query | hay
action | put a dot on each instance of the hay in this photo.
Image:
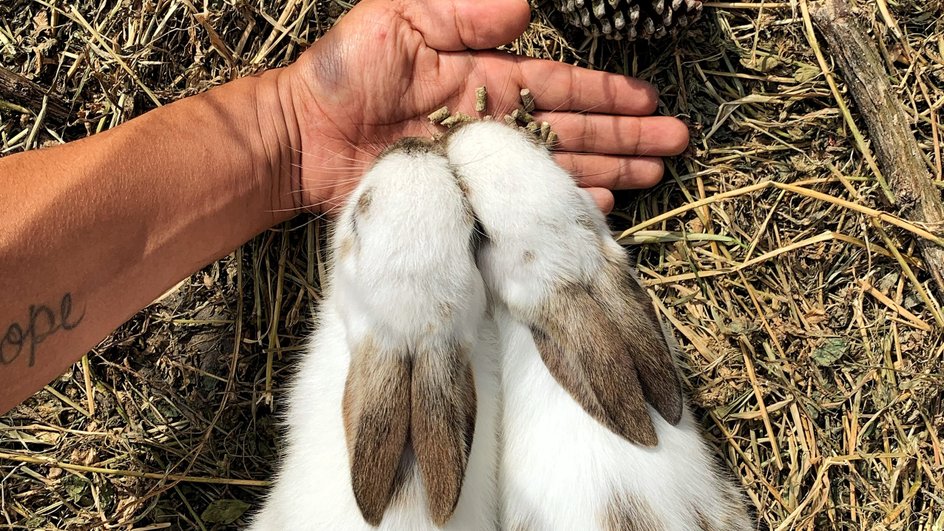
(812, 336)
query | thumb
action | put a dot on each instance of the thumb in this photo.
(454, 25)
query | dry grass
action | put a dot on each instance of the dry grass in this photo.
(812, 336)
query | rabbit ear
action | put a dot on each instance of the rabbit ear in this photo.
(647, 340)
(376, 410)
(584, 351)
(442, 424)
(604, 345)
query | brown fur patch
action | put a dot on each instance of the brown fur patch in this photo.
(376, 415)
(639, 325)
(442, 424)
(625, 513)
(584, 351)
(363, 202)
(463, 186)
(345, 248)
(445, 310)
(585, 221)
(412, 145)
(603, 342)
(528, 257)
(703, 523)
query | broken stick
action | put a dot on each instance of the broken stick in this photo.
(21, 91)
(896, 149)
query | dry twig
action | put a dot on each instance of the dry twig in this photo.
(898, 152)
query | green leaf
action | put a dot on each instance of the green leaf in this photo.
(76, 486)
(830, 351)
(224, 511)
(807, 73)
(761, 62)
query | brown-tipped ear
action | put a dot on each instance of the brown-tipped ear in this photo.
(442, 424)
(584, 351)
(647, 341)
(376, 409)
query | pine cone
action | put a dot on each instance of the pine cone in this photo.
(630, 19)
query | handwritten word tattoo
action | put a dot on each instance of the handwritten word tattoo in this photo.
(41, 322)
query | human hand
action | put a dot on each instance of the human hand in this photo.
(375, 76)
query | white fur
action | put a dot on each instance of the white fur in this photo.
(559, 468)
(526, 204)
(411, 255)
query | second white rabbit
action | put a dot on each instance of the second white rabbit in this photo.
(594, 432)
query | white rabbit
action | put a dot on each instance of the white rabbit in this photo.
(392, 416)
(594, 430)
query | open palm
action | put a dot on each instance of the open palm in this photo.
(376, 75)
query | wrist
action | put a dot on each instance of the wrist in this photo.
(274, 143)
(327, 162)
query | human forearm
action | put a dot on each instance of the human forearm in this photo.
(92, 231)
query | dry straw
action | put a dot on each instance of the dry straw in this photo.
(811, 332)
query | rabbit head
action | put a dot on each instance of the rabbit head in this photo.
(549, 257)
(411, 299)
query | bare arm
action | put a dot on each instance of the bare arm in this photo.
(92, 231)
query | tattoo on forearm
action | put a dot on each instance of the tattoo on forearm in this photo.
(42, 322)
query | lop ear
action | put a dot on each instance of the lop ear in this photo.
(376, 411)
(605, 346)
(584, 351)
(648, 340)
(442, 424)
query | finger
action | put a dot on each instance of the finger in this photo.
(658, 136)
(454, 25)
(603, 198)
(614, 173)
(558, 86)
